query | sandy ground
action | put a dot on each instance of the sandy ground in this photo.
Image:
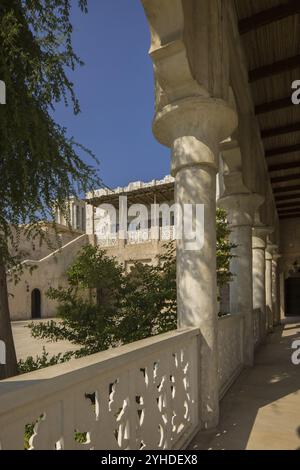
(26, 345)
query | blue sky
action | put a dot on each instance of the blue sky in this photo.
(115, 90)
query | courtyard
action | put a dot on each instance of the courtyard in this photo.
(27, 346)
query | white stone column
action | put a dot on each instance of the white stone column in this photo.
(196, 271)
(240, 211)
(259, 278)
(282, 296)
(269, 300)
(259, 274)
(192, 117)
(154, 231)
(74, 216)
(275, 289)
(194, 166)
(122, 232)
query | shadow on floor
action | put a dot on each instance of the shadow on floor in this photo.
(262, 408)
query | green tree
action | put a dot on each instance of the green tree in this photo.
(132, 305)
(87, 320)
(149, 304)
(40, 166)
(223, 249)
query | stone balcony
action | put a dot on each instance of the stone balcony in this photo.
(134, 237)
(149, 395)
(145, 395)
(160, 392)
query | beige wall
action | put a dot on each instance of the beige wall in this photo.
(37, 249)
(49, 272)
(290, 243)
(129, 253)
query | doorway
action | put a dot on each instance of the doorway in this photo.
(36, 303)
(292, 297)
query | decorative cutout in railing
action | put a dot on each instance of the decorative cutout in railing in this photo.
(138, 236)
(167, 232)
(107, 241)
(138, 396)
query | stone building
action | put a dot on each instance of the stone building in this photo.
(27, 298)
(142, 243)
(146, 240)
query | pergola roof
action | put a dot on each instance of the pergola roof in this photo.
(140, 195)
(270, 32)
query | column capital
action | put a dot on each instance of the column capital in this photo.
(241, 207)
(259, 235)
(258, 242)
(193, 128)
(269, 256)
(272, 248)
(276, 257)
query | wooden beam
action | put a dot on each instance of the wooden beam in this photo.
(287, 197)
(275, 68)
(288, 204)
(269, 16)
(282, 150)
(289, 216)
(282, 179)
(288, 209)
(294, 210)
(284, 166)
(294, 127)
(286, 189)
(273, 105)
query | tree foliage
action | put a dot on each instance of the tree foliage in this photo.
(223, 249)
(40, 165)
(106, 306)
(30, 363)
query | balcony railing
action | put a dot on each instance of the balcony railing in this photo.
(140, 396)
(167, 233)
(258, 320)
(144, 395)
(230, 350)
(107, 241)
(138, 236)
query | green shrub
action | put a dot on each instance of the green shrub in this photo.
(105, 306)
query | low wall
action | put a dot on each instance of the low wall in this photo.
(230, 348)
(257, 326)
(49, 272)
(140, 396)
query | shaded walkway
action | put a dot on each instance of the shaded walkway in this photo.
(262, 409)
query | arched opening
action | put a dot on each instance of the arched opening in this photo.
(292, 296)
(36, 303)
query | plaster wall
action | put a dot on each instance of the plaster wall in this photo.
(290, 244)
(49, 272)
(37, 249)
